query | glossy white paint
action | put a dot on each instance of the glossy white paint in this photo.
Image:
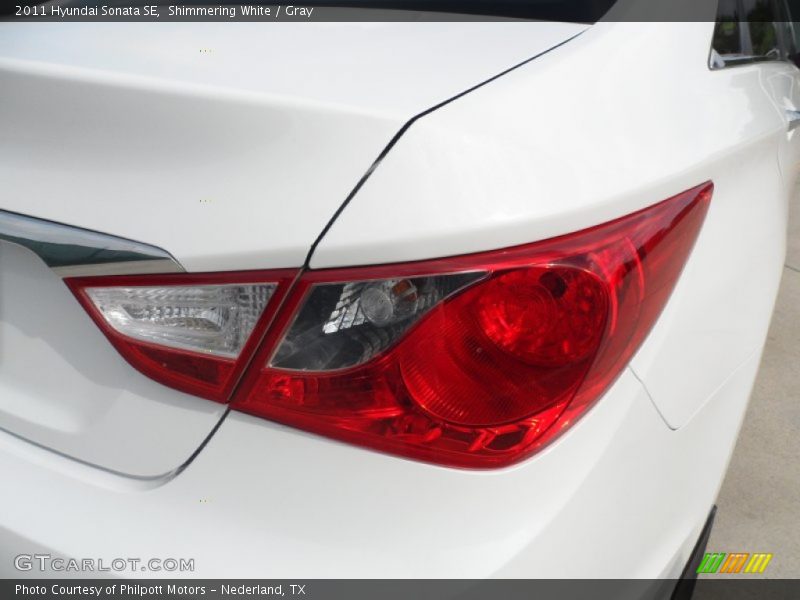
(619, 118)
(720, 310)
(232, 159)
(596, 145)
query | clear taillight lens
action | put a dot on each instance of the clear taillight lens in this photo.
(192, 332)
(471, 361)
(214, 319)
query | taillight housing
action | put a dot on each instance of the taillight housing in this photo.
(472, 361)
(192, 332)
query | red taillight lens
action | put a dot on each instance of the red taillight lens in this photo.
(512, 346)
(471, 361)
(489, 356)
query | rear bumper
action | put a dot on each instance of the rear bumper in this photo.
(620, 495)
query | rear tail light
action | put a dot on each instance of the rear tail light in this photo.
(191, 332)
(471, 361)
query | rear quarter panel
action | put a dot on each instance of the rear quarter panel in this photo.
(626, 115)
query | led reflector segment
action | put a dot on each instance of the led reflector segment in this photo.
(212, 319)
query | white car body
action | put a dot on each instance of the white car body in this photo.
(232, 161)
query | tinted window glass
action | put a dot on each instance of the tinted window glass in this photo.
(727, 45)
(753, 30)
(763, 33)
(727, 36)
(787, 14)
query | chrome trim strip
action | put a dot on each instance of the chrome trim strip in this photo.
(131, 267)
(71, 251)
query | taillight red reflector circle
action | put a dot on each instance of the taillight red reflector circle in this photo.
(506, 348)
(548, 316)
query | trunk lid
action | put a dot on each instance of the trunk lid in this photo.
(228, 145)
